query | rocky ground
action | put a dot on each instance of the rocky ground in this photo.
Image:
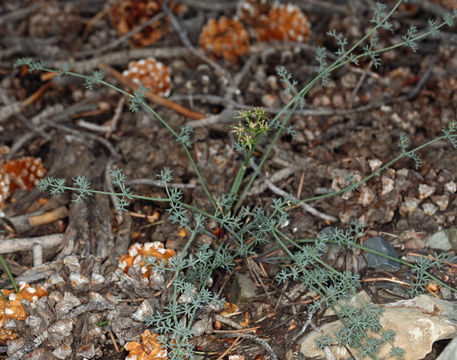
(348, 128)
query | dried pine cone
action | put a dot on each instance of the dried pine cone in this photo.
(254, 12)
(70, 335)
(150, 349)
(21, 173)
(225, 37)
(152, 74)
(13, 308)
(130, 13)
(284, 22)
(137, 252)
(24, 173)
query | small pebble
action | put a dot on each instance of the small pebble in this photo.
(379, 262)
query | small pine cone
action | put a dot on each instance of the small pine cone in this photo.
(152, 74)
(149, 349)
(30, 293)
(254, 12)
(24, 173)
(286, 23)
(137, 252)
(13, 308)
(225, 37)
(130, 13)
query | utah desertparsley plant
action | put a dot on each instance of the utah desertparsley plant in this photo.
(246, 226)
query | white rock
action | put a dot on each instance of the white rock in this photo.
(426, 190)
(417, 323)
(374, 164)
(442, 201)
(367, 196)
(387, 185)
(429, 209)
(451, 187)
(63, 351)
(409, 205)
(144, 310)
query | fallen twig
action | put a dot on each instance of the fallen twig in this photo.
(26, 244)
(256, 339)
(151, 96)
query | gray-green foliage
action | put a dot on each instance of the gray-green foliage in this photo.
(248, 227)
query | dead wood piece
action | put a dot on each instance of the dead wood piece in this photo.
(26, 244)
(213, 6)
(152, 182)
(91, 306)
(123, 57)
(27, 137)
(10, 109)
(19, 14)
(225, 116)
(16, 270)
(283, 193)
(37, 94)
(10, 51)
(256, 339)
(109, 186)
(26, 222)
(90, 220)
(122, 239)
(48, 217)
(37, 273)
(228, 322)
(24, 350)
(229, 349)
(38, 47)
(101, 140)
(111, 124)
(151, 96)
(37, 252)
(47, 113)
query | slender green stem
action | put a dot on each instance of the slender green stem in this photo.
(341, 61)
(412, 266)
(141, 197)
(157, 116)
(364, 248)
(378, 171)
(7, 269)
(188, 243)
(239, 177)
(315, 258)
(100, 192)
(295, 101)
(322, 290)
(266, 155)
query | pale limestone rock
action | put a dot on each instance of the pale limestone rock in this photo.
(417, 323)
